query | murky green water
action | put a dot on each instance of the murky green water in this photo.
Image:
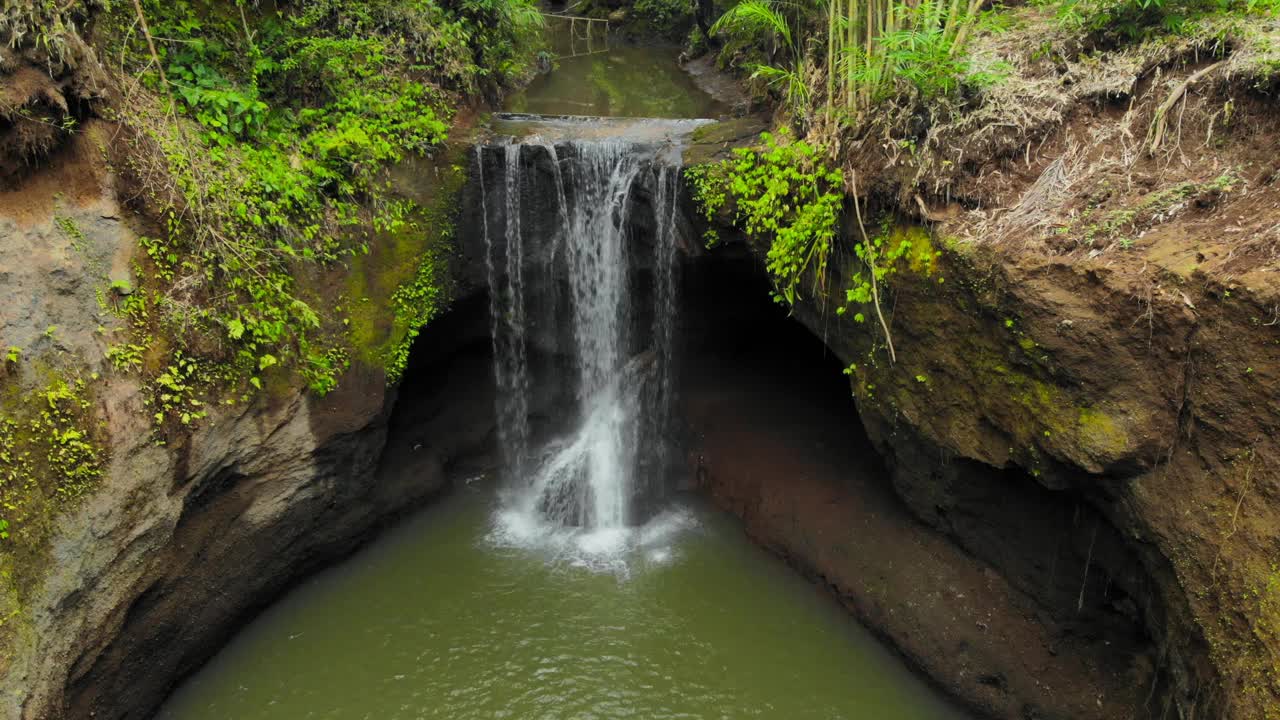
(621, 82)
(435, 621)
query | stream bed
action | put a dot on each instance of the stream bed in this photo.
(623, 81)
(437, 619)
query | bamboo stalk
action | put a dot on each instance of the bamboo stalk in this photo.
(890, 20)
(851, 101)
(937, 15)
(953, 16)
(966, 24)
(870, 28)
(831, 50)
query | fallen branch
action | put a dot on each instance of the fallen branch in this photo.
(151, 45)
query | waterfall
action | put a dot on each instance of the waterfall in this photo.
(620, 372)
(664, 310)
(506, 319)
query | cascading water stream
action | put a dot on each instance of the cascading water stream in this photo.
(664, 270)
(507, 324)
(591, 479)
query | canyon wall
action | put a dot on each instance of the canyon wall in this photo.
(1082, 520)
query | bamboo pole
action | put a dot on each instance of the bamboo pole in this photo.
(151, 45)
(870, 29)
(831, 50)
(849, 44)
(966, 24)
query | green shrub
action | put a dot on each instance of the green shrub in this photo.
(870, 51)
(664, 18)
(752, 26)
(1128, 20)
(785, 194)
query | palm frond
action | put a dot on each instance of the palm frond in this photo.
(751, 17)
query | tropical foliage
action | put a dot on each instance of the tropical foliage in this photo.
(868, 49)
(864, 52)
(261, 137)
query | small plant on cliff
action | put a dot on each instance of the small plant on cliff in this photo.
(71, 452)
(70, 230)
(784, 194)
(175, 395)
(707, 186)
(415, 304)
(47, 441)
(881, 256)
(51, 455)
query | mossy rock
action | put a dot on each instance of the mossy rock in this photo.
(716, 141)
(405, 279)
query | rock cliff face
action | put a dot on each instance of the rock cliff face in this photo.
(179, 544)
(777, 439)
(1098, 430)
(1042, 403)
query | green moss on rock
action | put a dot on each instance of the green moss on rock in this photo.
(51, 456)
(1101, 434)
(405, 281)
(921, 256)
(713, 141)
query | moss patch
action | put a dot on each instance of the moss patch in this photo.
(1046, 415)
(920, 255)
(405, 281)
(713, 141)
(51, 456)
(1100, 433)
(1040, 418)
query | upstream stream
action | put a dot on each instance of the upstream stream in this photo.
(574, 580)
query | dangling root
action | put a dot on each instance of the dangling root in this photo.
(871, 261)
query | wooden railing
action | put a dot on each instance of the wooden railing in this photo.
(588, 27)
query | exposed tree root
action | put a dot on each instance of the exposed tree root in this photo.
(1160, 120)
